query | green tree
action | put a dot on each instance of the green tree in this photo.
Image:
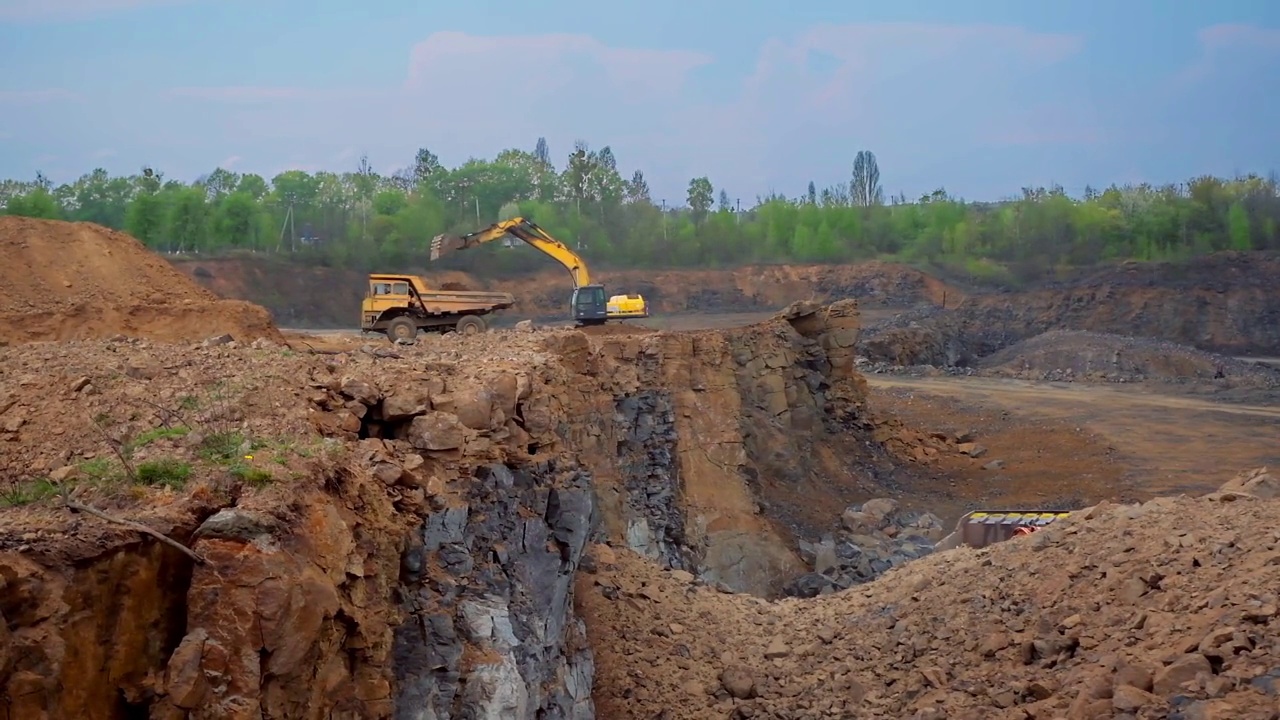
(700, 196)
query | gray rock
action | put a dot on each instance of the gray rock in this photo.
(514, 548)
(237, 524)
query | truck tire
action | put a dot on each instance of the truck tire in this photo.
(470, 325)
(402, 329)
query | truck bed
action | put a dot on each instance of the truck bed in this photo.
(456, 301)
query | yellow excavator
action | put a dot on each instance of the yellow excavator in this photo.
(588, 302)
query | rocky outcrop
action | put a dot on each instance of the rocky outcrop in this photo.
(737, 426)
(1221, 303)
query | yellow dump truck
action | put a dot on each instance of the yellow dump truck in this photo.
(399, 306)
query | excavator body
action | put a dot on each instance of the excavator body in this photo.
(589, 303)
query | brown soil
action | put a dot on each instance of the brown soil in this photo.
(1122, 611)
(64, 281)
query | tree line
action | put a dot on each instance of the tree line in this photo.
(365, 219)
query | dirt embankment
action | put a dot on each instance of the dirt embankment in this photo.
(62, 281)
(1224, 303)
(379, 524)
(329, 297)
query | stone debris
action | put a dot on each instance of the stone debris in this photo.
(871, 539)
(1167, 609)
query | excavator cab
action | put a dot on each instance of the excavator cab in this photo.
(589, 304)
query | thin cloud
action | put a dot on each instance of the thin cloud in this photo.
(71, 10)
(1223, 39)
(36, 97)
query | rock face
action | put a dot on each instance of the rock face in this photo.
(736, 423)
(491, 631)
(1221, 303)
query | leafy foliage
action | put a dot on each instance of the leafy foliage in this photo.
(363, 219)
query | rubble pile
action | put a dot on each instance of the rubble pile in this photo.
(1164, 609)
(872, 538)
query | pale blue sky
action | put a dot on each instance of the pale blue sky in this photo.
(979, 96)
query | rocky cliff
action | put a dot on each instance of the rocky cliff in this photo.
(1223, 303)
(394, 533)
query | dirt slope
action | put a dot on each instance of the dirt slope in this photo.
(64, 280)
(329, 297)
(1161, 610)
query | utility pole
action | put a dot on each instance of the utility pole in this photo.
(664, 219)
(477, 210)
(739, 214)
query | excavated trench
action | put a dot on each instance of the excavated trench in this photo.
(431, 574)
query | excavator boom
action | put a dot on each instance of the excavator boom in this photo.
(522, 229)
(590, 307)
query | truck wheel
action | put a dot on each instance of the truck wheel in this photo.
(470, 325)
(402, 329)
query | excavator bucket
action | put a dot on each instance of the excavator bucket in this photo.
(444, 244)
(983, 528)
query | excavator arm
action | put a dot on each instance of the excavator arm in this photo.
(522, 229)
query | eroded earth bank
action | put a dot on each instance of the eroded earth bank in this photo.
(552, 524)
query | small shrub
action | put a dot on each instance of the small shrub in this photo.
(256, 477)
(165, 472)
(151, 436)
(25, 492)
(99, 470)
(222, 446)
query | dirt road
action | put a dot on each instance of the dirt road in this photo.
(1149, 442)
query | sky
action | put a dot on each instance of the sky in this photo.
(980, 97)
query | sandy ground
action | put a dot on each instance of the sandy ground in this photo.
(1161, 444)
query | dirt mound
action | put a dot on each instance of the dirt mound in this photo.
(1077, 353)
(64, 281)
(1163, 609)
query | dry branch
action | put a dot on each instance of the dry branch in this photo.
(138, 527)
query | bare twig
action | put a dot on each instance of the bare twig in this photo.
(168, 413)
(138, 527)
(118, 450)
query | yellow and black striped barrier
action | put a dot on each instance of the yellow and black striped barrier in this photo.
(982, 528)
